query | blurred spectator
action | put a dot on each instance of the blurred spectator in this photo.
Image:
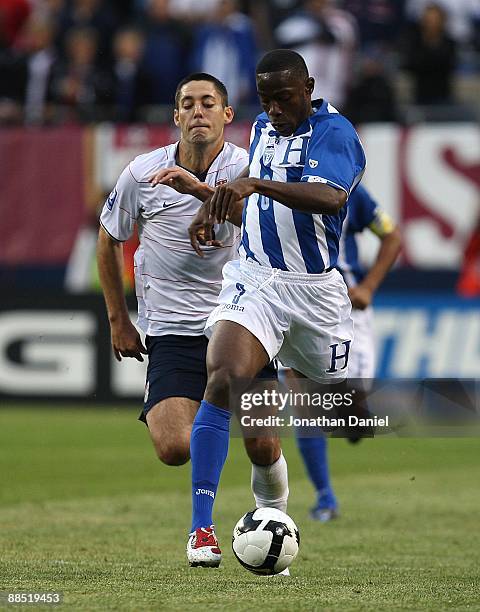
(429, 55)
(326, 37)
(168, 44)
(372, 97)
(379, 21)
(189, 11)
(13, 15)
(132, 87)
(78, 84)
(277, 10)
(266, 15)
(12, 79)
(96, 15)
(48, 10)
(193, 10)
(37, 41)
(463, 16)
(225, 47)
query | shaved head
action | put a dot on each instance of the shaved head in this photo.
(279, 60)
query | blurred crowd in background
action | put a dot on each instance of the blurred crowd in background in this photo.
(92, 60)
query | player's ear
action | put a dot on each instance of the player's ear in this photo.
(175, 117)
(228, 114)
(310, 85)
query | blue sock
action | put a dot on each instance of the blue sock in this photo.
(314, 453)
(208, 451)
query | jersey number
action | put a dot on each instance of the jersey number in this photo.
(241, 291)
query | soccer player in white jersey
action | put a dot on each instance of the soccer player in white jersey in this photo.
(363, 213)
(284, 297)
(176, 291)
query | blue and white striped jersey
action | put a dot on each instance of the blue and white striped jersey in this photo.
(324, 149)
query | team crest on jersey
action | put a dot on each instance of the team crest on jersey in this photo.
(269, 152)
(313, 163)
(111, 199)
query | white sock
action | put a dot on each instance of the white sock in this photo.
(270, 484)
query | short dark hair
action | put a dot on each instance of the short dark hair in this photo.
(202, 76)
(282, 59)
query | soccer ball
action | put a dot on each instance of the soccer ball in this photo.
(265, 541)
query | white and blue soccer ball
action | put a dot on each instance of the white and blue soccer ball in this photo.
(265, 541)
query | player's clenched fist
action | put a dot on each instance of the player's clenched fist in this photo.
(126, 341)
(360, 296)
(223, 203)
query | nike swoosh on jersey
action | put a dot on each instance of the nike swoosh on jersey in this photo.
(167, 204)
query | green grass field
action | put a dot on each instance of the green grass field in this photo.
(87, 509)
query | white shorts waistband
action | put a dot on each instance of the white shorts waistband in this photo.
(265, 273)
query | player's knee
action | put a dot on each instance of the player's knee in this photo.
(221, 380)
(173, 454)
(263, 451)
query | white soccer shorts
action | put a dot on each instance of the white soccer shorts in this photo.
(302, 319)
(362, 354)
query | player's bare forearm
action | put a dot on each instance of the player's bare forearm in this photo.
(126, 341)
(182, 181)
(312, 198)
(387, 254)
(203, 192)
(110, 270)
(235, 212)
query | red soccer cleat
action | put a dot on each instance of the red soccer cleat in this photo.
(203, 549)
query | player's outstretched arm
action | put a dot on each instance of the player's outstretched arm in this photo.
(312, 198)
(126, 341)
(182, 181)
(362, 294)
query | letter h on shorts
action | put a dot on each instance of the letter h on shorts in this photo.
(334, 358)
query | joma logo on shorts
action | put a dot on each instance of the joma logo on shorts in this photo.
(205, 492)
(233, 307)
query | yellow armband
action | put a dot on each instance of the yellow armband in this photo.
(382, 224)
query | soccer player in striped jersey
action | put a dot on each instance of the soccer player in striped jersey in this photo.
(363, 213)
(161, 192)
(284, 298)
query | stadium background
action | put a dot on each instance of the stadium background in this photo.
(62, 146)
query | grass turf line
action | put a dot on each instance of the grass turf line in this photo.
(86, 509)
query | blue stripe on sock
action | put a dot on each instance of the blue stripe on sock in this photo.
(208, 451)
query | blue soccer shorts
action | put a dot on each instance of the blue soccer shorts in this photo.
(177, 368)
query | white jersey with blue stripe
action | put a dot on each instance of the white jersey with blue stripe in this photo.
(325, 149)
